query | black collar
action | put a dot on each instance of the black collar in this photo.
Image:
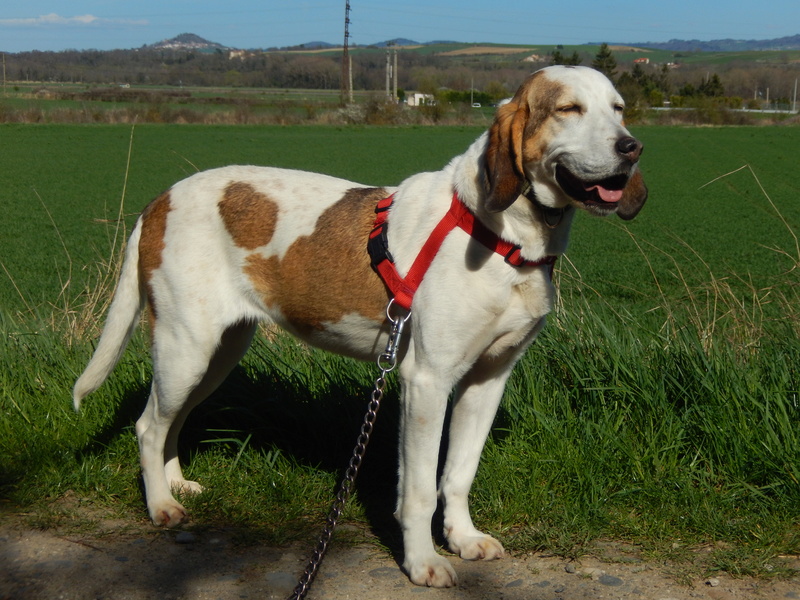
(552, 216)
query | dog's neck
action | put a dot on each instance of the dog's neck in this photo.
(541, 230)
(552, 217)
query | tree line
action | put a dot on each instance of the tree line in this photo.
(645, 85)
(494, 79)
(162, 67)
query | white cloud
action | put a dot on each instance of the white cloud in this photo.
(79, 21)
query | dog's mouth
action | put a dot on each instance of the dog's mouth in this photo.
(603, 193)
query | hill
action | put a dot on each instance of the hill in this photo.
(190, 41)
(726, 45)
(186, 41)
(397, 42)
(675, 45)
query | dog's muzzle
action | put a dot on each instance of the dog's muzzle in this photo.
(605, 192)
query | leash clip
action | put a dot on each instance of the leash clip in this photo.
(387, 360)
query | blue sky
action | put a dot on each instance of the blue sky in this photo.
(109, 24)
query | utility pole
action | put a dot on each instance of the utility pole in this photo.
(794, 100)
(350, 78)
(391, 73)
(347, 65)
(394, 77)
(388, 73)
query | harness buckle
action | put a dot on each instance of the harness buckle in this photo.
(514, 257)
(378, 246)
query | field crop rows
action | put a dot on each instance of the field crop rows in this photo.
(661, 402)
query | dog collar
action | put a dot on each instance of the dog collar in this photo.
(552, 217)
(404, 288)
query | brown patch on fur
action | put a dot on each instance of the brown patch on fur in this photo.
(151, 244)
(326, 275)
(633, 197)
(518, 136)
(543, 98)
(503, 154)
(249, 216)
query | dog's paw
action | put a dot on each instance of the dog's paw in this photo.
(476, 547)
(185, 487)
(434, 571)
(169, 514)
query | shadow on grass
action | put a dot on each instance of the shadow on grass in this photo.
(311, 417)
(316, 429)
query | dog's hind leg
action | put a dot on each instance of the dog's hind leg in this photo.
(186, 369)
(235, 342)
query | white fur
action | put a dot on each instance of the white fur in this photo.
(472, 318)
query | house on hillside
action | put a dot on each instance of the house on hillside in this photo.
(419, 99)
(641, 61)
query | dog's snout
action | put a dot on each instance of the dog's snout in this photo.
(630, 148)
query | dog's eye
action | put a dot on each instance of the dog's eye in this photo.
(570, 108)
(619, 108)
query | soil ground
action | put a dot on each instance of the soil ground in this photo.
(133, 561)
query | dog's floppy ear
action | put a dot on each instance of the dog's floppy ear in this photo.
(505, 174)
(633, 197)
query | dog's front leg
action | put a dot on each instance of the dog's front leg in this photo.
(424, 402)
(475, 405)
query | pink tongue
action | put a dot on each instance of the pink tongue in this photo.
(605, 194)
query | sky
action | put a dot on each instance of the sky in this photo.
(112, 24)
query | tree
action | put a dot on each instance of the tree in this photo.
(605, 62)
(497, 91)
(557, 58)
(631, 89)
(712, 87)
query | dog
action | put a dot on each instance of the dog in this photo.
(231, 247)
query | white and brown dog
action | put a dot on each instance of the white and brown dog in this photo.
(227, 248)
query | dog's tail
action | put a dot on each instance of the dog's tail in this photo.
(123, 316)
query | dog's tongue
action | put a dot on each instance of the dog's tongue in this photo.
(605, 194)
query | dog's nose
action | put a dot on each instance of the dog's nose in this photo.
(630, 148)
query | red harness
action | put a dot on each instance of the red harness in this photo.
(403, 289)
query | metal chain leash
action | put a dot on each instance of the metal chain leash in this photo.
(387, 361)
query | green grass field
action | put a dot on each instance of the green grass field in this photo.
(660, 406)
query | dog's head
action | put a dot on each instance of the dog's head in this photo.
(563, 133)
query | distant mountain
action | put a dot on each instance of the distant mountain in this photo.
(396, 42)
(190, 41)
(727, 45)
(326, 45)
(311, 46)
(186, 41)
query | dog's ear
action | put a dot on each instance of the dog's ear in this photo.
(505, 174)
(633, 197)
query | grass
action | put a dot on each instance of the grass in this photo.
(658, 439)
(86, 176)
(659, 407)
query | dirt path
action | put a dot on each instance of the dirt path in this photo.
(137, 563)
